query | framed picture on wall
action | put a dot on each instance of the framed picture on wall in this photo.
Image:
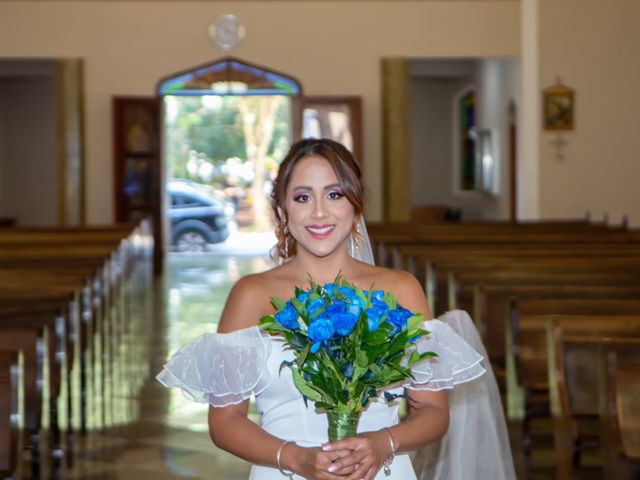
(558, 104)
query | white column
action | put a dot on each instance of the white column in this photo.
(529, 117)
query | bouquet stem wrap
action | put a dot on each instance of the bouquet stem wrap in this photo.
(342, 424)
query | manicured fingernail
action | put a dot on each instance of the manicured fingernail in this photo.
(326, 447)
(332, 468)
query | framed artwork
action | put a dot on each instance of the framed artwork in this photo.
(558, 104)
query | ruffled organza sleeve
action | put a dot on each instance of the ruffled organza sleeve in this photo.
(220, 368)
(457, 362)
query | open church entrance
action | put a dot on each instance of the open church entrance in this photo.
(226, 128)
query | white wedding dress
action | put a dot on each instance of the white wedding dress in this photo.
(223, 369)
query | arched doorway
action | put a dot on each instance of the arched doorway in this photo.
(226, 125)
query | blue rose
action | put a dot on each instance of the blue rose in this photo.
(374, 317)
(379, 304)
(320, 329)
(330, 288)
(377, 295)
(343, 323)
(398, 318)
(347, 292)
(336, 307)
(315, 307)
(288, 317)
(354, 306)
(395, 319)
(303, 297)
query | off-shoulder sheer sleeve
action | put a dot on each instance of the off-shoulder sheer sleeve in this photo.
(220, 368)
(457, 362)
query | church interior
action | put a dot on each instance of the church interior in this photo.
(496, 140)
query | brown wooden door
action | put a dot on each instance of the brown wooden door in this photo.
(137, 165)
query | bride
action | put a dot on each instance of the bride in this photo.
(318, 201)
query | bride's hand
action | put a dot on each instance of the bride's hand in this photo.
(314, 463)
(369, 451)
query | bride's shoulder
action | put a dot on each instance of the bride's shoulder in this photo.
(391, 279)
(248, 301)
(404, 286)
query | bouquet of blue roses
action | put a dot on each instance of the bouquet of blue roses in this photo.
(349, 344)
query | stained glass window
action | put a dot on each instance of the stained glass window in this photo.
(467, 109)
(230, 77)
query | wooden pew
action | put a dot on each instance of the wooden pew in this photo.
(32, 344)
(60, 348)
(577, 382)
(527, 348)
(528, 394)
(496, 306)
(388, 236)
(11, 381)
(453, 273)
(29, 290)
(622, 412)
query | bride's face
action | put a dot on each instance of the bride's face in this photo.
(319, 215)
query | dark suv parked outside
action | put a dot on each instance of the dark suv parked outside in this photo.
(196, 217)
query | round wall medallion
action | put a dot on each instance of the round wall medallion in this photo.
(226, 32)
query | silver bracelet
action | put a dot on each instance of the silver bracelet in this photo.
(389, 460)
(289, 475)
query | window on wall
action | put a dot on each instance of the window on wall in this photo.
(466, 139)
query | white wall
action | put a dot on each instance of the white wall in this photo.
(333, 48)
(593, 46)
(27, 150)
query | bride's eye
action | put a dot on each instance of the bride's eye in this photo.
(302, 198)
(335, 195)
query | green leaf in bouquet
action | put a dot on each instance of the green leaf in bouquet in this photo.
(424, 355)
(305, 389)
(358, 372)
(285, 363)
(414, 322)
(297, 304)
(302, 356)
(373, 351)
(297, 339)
(368, 394)
(278, 303)
(323, 406)
(377, 337)
(365, 299)
(312, 365)
(269, 325)
(362, 360)
(390, 300)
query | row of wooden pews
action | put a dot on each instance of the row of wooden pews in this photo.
(527, 285)
(73, 301)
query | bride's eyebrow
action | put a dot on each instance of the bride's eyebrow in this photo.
(306, 188)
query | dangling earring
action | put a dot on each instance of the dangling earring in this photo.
(355, 239)
(285, 229)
